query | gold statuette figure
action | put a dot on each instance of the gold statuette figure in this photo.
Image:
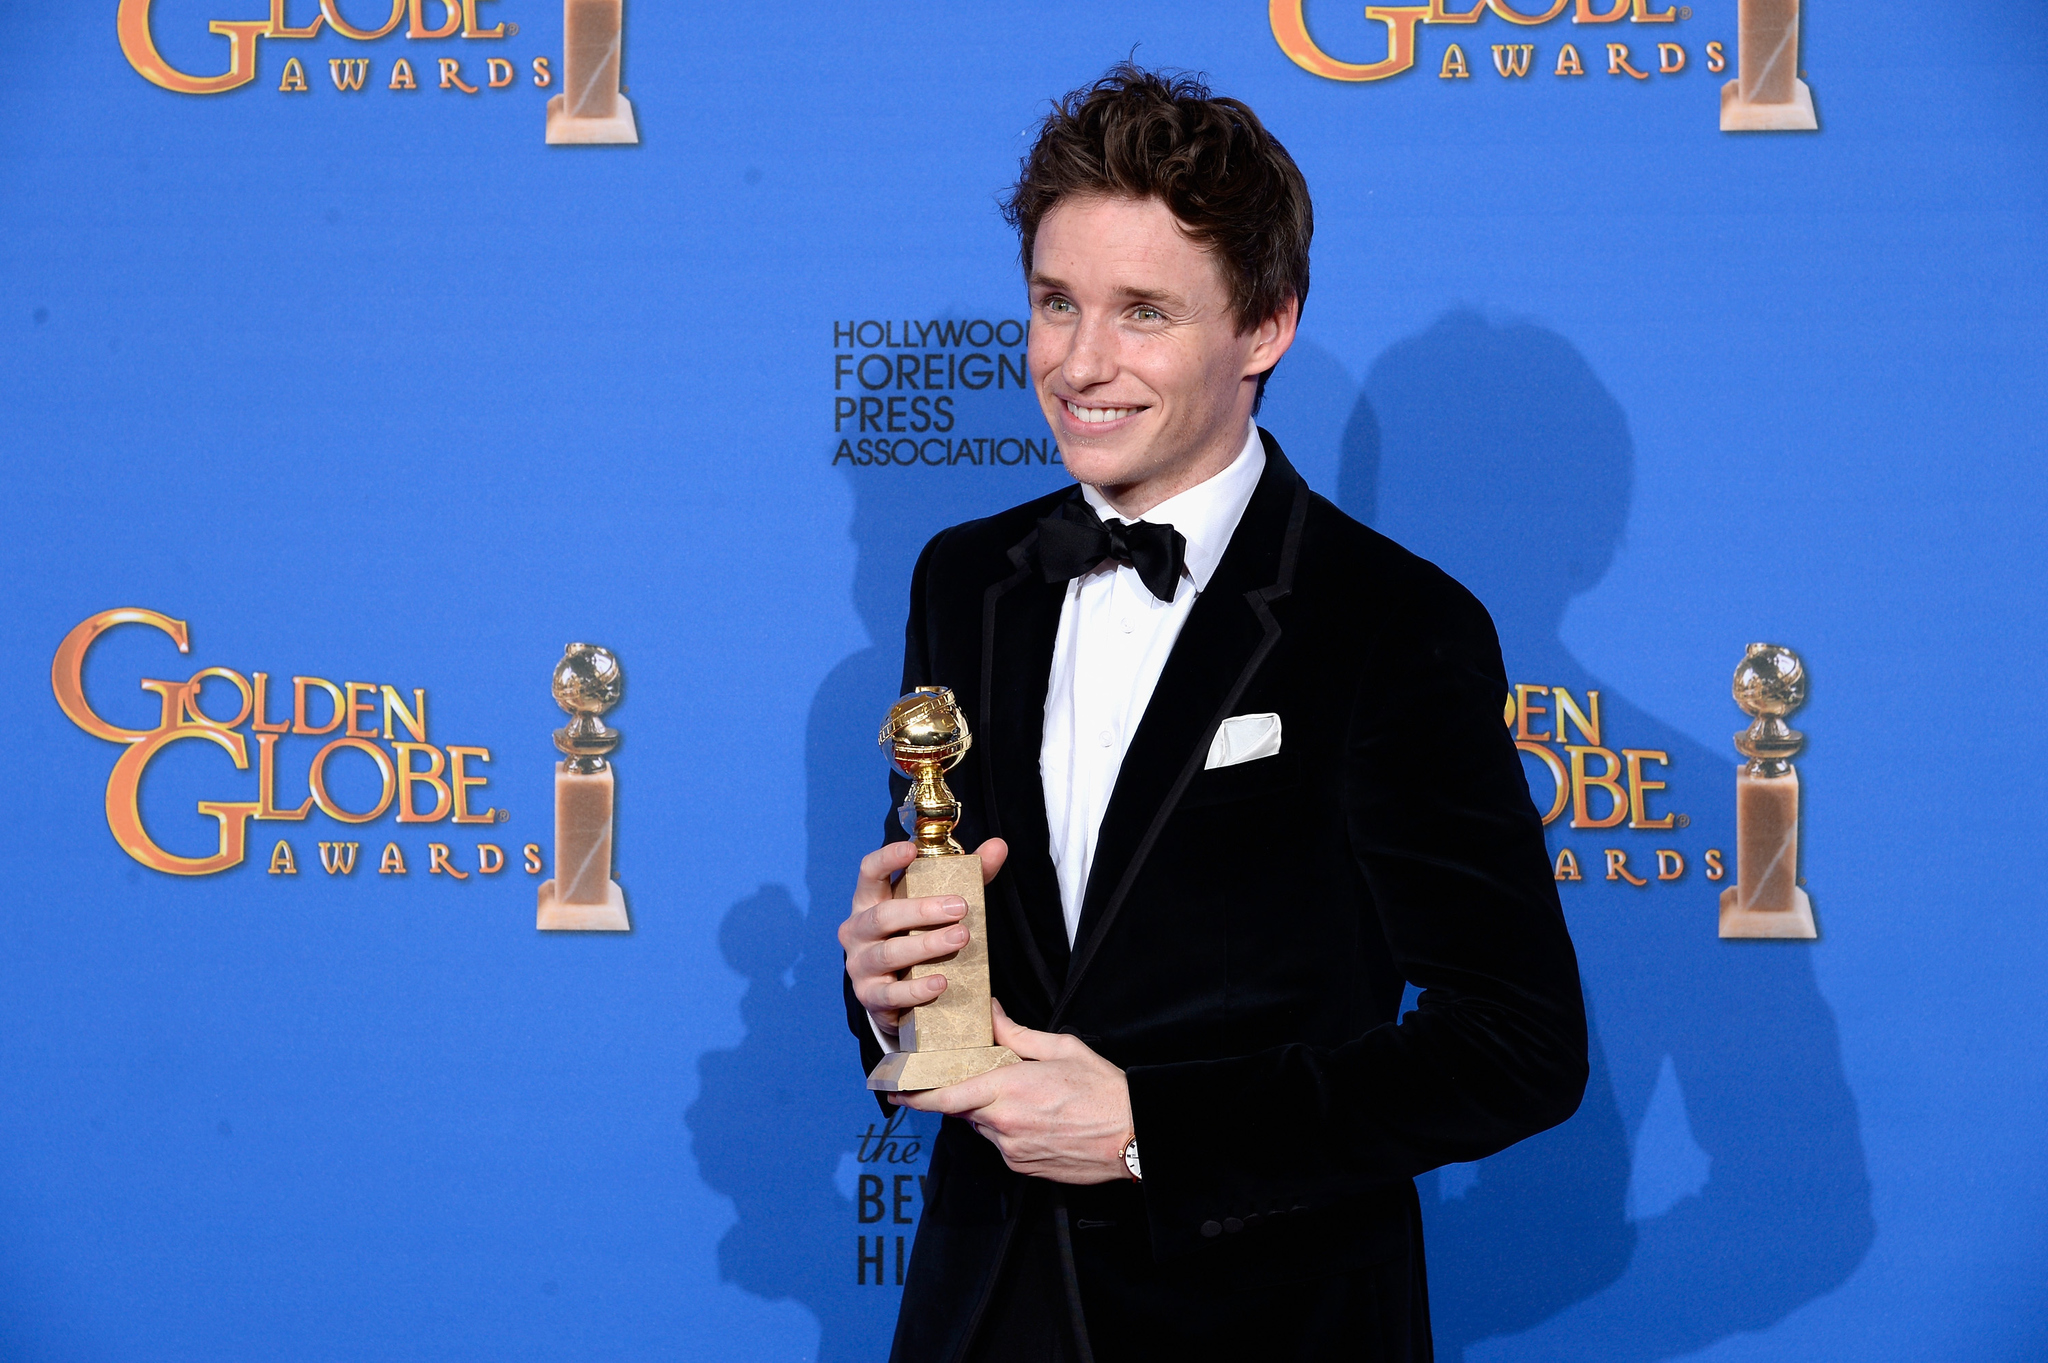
(583, 897)
(1766, 900)
(952, 1037)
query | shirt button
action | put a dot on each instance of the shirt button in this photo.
(1126, 623)
(1211, 1229)
(1232, 1224)
(1108, 739)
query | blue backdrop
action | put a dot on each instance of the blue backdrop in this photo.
(376, 386)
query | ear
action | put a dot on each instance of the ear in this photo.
(1272, 338)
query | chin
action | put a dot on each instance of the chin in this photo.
(1099, 468)
(1112, 462)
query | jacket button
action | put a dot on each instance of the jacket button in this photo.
(1232, 1224)
(1211, 1229)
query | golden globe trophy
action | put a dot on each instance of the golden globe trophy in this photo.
(952, 1037)
(583, 897)
(1766, 901)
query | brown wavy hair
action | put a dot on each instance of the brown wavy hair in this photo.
(1156, 135)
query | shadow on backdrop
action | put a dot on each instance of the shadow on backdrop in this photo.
(779, 1121)
(1741, 1194)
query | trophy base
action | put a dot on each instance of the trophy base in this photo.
(608, 916)
(564, 129)
(914, 1071)
(1795, 922)
(1738, 117)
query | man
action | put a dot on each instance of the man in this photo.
(1239, 774)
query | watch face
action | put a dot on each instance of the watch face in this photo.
(1131, 1158)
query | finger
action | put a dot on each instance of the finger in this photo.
(876, 868)
(976, 1119)
(885, 993)
(894, 954)
(993, 853)
(967, 1096)
(1024, 1041)
(892, 916)
(929, 1100)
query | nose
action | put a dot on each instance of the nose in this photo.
(1091, 356)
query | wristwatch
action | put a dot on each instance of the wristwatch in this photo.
(1131, 1158)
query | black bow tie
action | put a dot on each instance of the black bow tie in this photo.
(1074, 539)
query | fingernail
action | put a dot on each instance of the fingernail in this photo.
(953, 904)
(955, 936)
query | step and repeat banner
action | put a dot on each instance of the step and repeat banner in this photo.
(400, 395)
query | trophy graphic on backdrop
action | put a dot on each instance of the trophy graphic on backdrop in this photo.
(952, 1037)
(590, 107)
(1767, 94)
(583, 897)
(1766, 901)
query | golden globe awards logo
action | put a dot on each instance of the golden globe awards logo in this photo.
(1599, 786)
(1765, 96)
(456, 19)
(1511, 60)
(420, 781)
(591, 110)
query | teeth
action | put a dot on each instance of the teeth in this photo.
(1095, 414)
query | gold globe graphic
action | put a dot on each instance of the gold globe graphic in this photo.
(1769, 684)
(926, 728)
(587, 681)
(1770, 680)
(926, 735)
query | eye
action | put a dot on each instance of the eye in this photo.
(1144, 312)
(1055, 303)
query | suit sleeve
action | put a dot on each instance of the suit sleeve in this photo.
(1439, 822)
(916, 669)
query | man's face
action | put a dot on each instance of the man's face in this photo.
(1137, 360)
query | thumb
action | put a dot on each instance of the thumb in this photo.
(993, 853)
(1025, 1042)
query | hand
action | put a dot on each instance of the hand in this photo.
(1064, 1114)
(876, 952)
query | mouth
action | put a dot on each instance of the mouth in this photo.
(1098, 416)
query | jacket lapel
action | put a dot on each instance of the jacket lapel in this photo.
(1020, 620)
(1229, 632)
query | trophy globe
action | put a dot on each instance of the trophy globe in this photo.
(926, 736)
(587, 682)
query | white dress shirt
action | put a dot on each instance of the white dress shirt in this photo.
(1114, 638)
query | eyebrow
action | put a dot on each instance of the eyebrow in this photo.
(1162, 296)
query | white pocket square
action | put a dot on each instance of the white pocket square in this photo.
(1244, 738)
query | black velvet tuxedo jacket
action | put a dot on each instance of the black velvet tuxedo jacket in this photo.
(1244, 941)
